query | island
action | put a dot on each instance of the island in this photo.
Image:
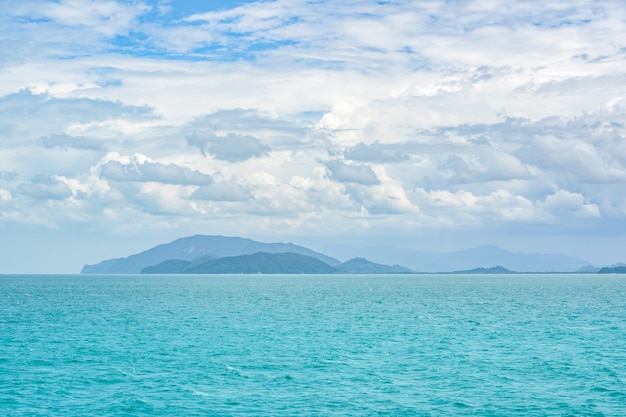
(269, 263)
(619, 269)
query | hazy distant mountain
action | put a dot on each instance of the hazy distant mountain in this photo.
(190, 248)
(363, 266)
(613, 269)
(480, 257)
(588, 269)
(185, 253)
(492, 270)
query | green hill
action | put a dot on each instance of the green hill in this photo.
(493, 270)
(262, 263)
(619, 269)
(270, 263)
(171, 266)
(363, 266)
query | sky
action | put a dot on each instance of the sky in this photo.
(433, 125)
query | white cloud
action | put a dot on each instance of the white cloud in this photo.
(313, 117)
(139, 168)
(232, 147)
(18, 112)
(377, 152)
(484, 164)
(471, 208)
(7, 175)
(45, 188)
(502, 205)
(222, 192)
(351, 173)
(162, 199)
(64, 141)
(576, 158)
(5, 195)
(108, 17)
(564, 202)
(384, 199)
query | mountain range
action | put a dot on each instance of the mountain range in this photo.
(220, 254)
(195, 247)
(234, 255)
(485, 256)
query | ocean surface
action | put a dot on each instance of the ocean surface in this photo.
(313, 345)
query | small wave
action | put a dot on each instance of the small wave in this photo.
(127, 371)
(200, 393)
(235, 371)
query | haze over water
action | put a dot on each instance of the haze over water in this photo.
(313, 345)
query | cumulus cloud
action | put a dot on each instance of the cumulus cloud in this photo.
(139, 168)
(378, 152)
(351, 173)
(484, 164)
(64, 141)
(46, 188)
(232, 147)
(55, 114)
(505, 206)
(222, 192)
(314, 116)
(7, 175)
(381, 199)
(251, 122)
(475, 208)
(162, 199)
(577, 159)
(564, 202)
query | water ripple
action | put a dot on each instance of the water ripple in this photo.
(296, 345)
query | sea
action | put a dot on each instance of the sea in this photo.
(313, 345)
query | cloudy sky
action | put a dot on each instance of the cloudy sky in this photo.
(428, 124)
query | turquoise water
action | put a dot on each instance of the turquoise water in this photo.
(402, 345)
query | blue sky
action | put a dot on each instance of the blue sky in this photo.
(432, 124)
